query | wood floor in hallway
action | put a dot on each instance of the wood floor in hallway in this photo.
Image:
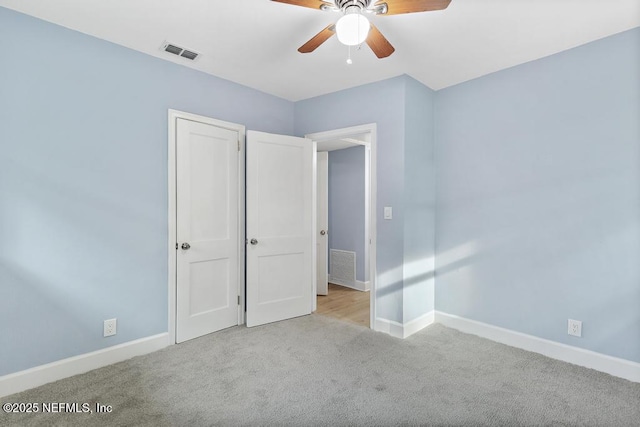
(345, 304)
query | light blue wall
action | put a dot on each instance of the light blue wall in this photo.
(83, 185)
(382, 103)
(419, 203)
(538, 197)
(346, 204)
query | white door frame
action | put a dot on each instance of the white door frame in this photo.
(370, 200)
(173, 115)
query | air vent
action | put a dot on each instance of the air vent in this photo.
(342, 267)
(173, 49)
(189, 55)
(180, 51)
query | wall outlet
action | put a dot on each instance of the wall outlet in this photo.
(110, 327)
(575, 328)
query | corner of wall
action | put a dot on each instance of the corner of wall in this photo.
(419, 198)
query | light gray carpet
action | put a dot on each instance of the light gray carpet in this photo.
(318, 371)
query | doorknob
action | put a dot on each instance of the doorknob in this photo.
(322, 232)
(186, 246)
(254, 242)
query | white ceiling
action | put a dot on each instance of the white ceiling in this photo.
(254, 42)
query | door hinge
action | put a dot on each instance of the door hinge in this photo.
(238, 145)
(176, 246)
(238, 299)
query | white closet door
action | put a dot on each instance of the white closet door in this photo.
(280, 227)
(207, 229)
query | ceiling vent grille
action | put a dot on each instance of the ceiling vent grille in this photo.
(180, 51)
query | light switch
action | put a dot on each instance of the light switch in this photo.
(388, 212)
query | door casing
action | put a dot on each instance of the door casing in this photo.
(173, 115)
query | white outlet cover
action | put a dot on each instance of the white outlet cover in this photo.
(110, 327)
(575, 328)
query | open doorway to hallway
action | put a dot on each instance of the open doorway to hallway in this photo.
(344, 228)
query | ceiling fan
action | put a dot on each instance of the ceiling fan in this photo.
(353, 28)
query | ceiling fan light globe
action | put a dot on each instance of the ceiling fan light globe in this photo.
(352, 29)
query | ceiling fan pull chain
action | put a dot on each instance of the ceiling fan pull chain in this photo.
(349, 61)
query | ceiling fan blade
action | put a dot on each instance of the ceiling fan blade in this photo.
(313, 4)
(378, 43)
(318, 39)
(396, 7)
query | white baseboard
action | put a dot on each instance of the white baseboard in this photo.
(418, 324)
(389, 327)
(578, 356)
(405, 330)
(363, 286)
(40, 375)
(359, 286)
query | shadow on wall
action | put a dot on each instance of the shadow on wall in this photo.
(555, 223)
(420, 273)
(558, 246)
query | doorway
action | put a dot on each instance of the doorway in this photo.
(349, 249)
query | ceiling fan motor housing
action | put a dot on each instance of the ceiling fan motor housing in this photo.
(344, 4)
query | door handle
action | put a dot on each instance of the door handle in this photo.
(185, 246)
(254, 242)
(322, 232)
